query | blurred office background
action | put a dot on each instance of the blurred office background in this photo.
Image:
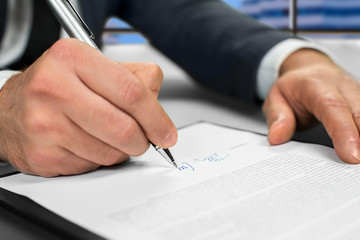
(316, 18)
(332, 23)
(318, 15)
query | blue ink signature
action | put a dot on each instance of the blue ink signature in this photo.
(185, 166)
(213, 158)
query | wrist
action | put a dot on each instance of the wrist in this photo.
(269, 68)
(304, 58)
(6, 107)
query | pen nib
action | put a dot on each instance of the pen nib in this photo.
(166, 154)
(170, 158)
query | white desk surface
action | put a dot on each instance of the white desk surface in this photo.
(186, 102)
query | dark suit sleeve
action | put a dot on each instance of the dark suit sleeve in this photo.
(217, 45)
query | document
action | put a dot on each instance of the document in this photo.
(230, 184)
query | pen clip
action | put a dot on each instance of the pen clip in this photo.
(91, 35)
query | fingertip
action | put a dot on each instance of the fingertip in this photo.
(275, 136)
(280, 131)
(354, 150)
(170, 140)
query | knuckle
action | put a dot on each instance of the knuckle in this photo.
(64, 49)
(35, 123)
(326, 104)
(126, 132)
(44, 86)
(132, 93)
(112, 157)
(40, 84)
(333, 102)
(32, 123)
(77, 166)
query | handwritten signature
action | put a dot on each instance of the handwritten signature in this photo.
(214, 157)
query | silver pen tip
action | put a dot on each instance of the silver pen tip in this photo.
(172, 160)
(166, 154)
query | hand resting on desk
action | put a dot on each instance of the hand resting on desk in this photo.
(74, 110)
(312, 88)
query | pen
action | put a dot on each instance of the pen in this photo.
(76, 27)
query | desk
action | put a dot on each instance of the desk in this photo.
(186, 103)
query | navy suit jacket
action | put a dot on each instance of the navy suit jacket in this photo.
(217, 45)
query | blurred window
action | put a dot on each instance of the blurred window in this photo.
(313, 16)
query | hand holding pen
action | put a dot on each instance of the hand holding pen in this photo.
(74, 110)
(76, 27)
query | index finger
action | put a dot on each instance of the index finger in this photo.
(122, 88)
(338, 121)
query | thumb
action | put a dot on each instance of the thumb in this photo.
(280, 118)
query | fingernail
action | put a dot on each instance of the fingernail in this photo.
(278, 119)
(170, 139)
(356, 155)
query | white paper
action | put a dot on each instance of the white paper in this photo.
(230, 185)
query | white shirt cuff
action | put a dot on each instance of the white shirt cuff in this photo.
(6, 75)
(268, 71)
